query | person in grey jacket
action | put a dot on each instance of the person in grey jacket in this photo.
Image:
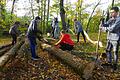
(14, 32)
(32, 35)
(112, 26)
(78, 29)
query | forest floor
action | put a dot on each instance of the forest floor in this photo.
(50, 68)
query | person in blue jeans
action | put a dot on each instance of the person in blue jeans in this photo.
(78, 29)
(112, 27)
(32, 35)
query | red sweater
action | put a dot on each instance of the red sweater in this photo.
(65, 38)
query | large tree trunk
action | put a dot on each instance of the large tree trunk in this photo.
(91, 16)
(41, 15)
(48, 12)
(62, 14)
(113, 2)
(11, 53)
(81, 67)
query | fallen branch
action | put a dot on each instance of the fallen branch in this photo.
(4, 46)
(4, 50)
(11, 53)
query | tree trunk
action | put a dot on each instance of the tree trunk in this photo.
(113, 2)
(4, 50)
(41, 15)
(48, 13)
(83, 68)
(62, 14)
(12, 7)
(91, 16)
(11, 53)
(44, 26)
(4, 46)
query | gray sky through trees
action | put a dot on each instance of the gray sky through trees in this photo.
(22, 6)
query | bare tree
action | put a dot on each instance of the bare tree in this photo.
(91, 15)
(44, 29)
(48, 12)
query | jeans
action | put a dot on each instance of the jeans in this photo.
(115, 46)
(32, 41)
(78, 34)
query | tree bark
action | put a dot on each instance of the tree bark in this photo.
(83, 68)
(44, 25)
(41, 23)
(12, 7)
(48, 13)
(62, 14)
(11, 53)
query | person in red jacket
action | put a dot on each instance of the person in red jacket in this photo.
(65, 42)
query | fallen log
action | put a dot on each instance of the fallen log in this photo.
(82, 67)
(4, 46)
(24, 50)
(11, 53)
(4, 50)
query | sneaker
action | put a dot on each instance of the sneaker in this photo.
(35, 58)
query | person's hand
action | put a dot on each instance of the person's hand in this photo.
(55, 44)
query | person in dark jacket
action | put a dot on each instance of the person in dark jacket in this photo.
(32, 35)
(14, 32)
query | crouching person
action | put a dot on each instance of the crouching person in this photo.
(32, 35)
(65, 42)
